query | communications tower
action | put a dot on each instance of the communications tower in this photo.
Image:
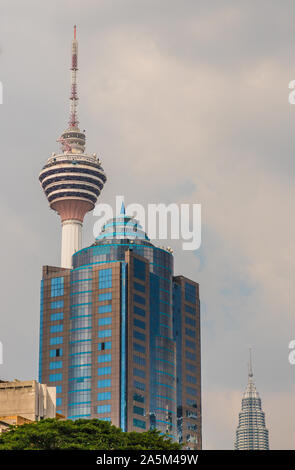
(72, 179)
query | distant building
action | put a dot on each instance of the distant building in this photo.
(27, 400)
(6, 421)
(251, 432)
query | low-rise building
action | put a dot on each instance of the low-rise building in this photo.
(28, 400)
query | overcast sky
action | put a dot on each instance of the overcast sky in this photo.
(185, 101)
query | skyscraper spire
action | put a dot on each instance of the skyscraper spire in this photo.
(250, 369)
(251, 432)
(72, 180)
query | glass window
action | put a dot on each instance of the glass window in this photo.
(105, 308)
(104, 396)
(192, 427)
(55, 353)
(139, 373)
(191, 391)
(84, 322)
(139, 269)
(104, 333)
(190, 332)
(82, 371)
(55, 377)
(139, 323)
(105, 345)
(80, 360)
(139, 423)
(104, 321)
(105, 296)
(138, 397)
(138, 335)
(190, 344)
(190, 367)
(139, 360)
(104, 370)
(191, 379)
(191, 414)
(190, 293)
(139, 287)
(191, 356)
(139, 299)
(56, 328)
(77, 348)
(57, 286)
(190, 321)
(104, 358)
(105, 278)
(80, 335)
(191, 402)
(56, 340)
(58, 389)
(103, 409)
(104, 383)
(138, 410)
(189, 309)
(56, 316)
(139, 311)
(137, 347)
(139, 385)
(55, 365)
(57, 304)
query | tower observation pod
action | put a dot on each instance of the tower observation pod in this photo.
(72, 180)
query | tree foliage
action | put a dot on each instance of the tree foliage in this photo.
(82, 434)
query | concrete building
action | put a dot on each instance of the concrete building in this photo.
(29, 400)
(14, 420)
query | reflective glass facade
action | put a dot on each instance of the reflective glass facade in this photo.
(112, 318)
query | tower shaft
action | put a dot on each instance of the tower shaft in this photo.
(71, 241)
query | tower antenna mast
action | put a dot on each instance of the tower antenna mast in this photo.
(73, 122)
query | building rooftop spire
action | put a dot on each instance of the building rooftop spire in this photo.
(250, 368)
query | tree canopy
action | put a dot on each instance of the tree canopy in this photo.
(82, 434)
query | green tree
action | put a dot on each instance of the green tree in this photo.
(82, 434)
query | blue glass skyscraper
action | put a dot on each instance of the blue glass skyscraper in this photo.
(120, 336)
